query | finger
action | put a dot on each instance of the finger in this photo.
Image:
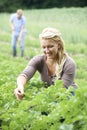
(18, 96)
(18, 91)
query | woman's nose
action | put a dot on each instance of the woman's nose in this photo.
(47, 49)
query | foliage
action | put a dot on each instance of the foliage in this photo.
(11, 6)
(43, 108)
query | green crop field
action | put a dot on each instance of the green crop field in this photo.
(52, 108)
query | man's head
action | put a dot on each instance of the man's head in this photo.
(19, 13)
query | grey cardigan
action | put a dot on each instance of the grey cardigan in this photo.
(38, 63)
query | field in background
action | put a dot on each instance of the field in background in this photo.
(72, 22)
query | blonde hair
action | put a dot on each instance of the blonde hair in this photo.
(20, 12)
(54, 34)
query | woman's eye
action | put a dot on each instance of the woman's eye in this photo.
(43, 47)
(50, 46)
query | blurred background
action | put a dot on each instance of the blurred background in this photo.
(12, 5)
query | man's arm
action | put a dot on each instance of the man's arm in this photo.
(11, 22)
(12, 26)
(21, 33)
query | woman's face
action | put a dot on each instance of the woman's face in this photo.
(50, 48)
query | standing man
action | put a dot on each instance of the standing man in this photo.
(17, 22)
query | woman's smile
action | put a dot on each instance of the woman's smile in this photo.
(50, 48)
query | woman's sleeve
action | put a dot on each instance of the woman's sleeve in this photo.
(31, 68)
(69, 73)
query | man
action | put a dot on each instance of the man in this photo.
(17, 22)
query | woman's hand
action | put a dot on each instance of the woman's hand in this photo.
(19, 93)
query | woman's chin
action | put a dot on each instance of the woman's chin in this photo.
(50, 57)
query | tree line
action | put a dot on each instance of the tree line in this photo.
(12, 5)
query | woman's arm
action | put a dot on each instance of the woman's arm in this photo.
(19, 91)
(69, 73)
(25, 76)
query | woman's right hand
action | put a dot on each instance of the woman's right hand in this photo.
(19, 93)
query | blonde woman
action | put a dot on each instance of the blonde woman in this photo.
(53, 64)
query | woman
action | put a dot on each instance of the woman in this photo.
(53, 64)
